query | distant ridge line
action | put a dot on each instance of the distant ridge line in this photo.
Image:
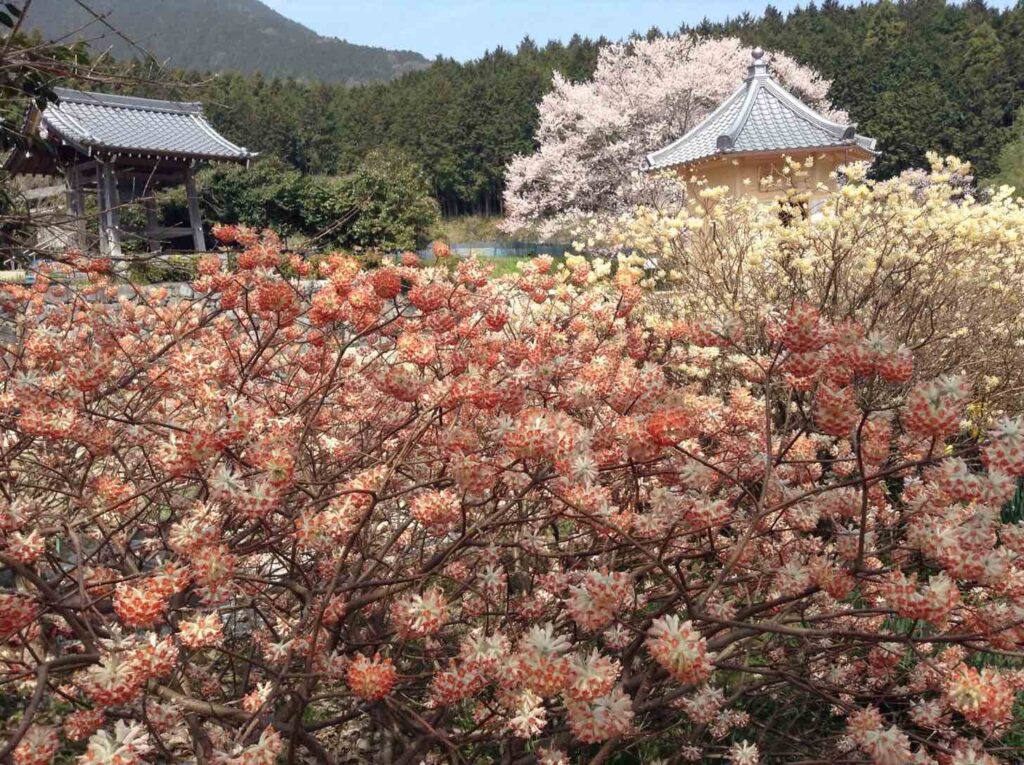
(244, 36)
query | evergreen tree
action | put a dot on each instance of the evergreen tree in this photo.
(1011, 158)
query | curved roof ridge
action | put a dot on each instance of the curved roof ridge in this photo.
(200, 120)
(727, 140)
(801, 109)
(115, 101)
(53, 124)
(700, 126)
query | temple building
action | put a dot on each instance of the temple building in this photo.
(122, 149)
(744, 142)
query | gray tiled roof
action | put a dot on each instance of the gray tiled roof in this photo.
(760, 116)
(106, 123)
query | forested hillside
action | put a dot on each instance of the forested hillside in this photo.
(225, 35)
(461, 122)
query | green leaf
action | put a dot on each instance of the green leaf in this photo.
(1013, 511)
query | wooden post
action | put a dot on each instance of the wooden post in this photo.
(110, 216)
(76, 207)
(198, 240)
(101, 202)
(152, 223)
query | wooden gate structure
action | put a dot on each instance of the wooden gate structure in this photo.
(123, 149)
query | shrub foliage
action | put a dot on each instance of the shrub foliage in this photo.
(385, 204)
(480, 519)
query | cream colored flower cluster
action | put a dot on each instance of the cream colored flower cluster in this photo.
(919, 257)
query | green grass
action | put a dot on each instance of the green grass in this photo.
(472, 228)
(504, 266)
(481, 228)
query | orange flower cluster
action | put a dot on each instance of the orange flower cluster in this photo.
(371, 679)
(680, 649)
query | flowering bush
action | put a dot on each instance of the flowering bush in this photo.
(916, 260)
(470, 518)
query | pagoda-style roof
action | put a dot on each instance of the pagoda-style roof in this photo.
(102, 125)
(762, 116)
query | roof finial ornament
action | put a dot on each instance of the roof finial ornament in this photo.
(758, 65)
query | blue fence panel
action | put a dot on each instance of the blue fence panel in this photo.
(502, 249)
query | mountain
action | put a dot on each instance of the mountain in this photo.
(216, 36)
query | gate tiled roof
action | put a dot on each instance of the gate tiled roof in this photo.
(106, 123)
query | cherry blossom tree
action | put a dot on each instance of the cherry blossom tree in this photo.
(593, 137)
(469, 520)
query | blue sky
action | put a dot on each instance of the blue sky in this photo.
(464, 29)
